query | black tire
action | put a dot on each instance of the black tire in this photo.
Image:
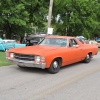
(87, 58)
(19, 66)
(55, 66)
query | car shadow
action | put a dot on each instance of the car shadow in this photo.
(44, 71)
(32, 70)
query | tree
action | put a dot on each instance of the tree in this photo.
(17, 16)
(13, 16)
(70, 17)
(38, 11)
(76, 17)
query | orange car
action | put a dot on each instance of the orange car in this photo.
(52, 53)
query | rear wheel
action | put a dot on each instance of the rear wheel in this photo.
(55, 66)
(87, 58)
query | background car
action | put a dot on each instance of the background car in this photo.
(94, 42)
(98, 41)
(9, 41)
(8, 44)
(81, 39)
(33, 40)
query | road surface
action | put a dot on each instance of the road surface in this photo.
(78, 81)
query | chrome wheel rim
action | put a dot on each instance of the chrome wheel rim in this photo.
(55, 64)
(88, 56)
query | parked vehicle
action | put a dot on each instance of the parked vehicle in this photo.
(98, 41)
(81, 39)
(52, 53)
(95, 42)
(33, 40)
(8, 44)
(92, 42)
(9, 41)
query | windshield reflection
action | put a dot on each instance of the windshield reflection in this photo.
(61, 42)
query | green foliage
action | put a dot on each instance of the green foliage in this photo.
(79, 17)
(17, 16)
(13, 14)
(3, 61)
(70, 17)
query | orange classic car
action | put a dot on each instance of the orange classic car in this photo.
(52, 53)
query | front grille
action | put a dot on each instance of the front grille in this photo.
(25, 57)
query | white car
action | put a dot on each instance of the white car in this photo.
(9, 41)
(94, 42)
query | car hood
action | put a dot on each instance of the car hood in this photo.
(37, 49)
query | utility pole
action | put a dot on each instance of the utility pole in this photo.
(50, 14)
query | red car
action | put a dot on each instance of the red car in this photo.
(52, 53)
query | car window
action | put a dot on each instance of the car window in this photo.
(62, 42)
(72, 42)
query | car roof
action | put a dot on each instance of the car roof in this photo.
(54, 36)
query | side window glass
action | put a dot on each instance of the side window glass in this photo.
(72, 42)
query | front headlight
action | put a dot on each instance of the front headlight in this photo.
(11, 55)
(42, 59)
(37, 59)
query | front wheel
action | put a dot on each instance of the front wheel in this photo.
(20, 66)
(87, 58)
(55, 66)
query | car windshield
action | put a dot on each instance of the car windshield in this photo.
(61, 42)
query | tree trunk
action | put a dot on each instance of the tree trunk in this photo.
(8, 30)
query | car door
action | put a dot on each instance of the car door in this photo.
(74, 51)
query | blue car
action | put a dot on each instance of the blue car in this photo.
(98, 39)
(8, 44)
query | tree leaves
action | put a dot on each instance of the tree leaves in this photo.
(78, 16)
(69, 17)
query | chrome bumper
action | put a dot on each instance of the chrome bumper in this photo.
(24, 63)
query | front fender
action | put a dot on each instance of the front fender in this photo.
(49, 60)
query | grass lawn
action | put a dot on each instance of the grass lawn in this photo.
(3, 61)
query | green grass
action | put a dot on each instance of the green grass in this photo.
(99, 49)
(3, 61)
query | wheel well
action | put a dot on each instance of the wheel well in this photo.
(60, 59)
(90, 53)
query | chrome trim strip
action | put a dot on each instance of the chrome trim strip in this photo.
(23, 63)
